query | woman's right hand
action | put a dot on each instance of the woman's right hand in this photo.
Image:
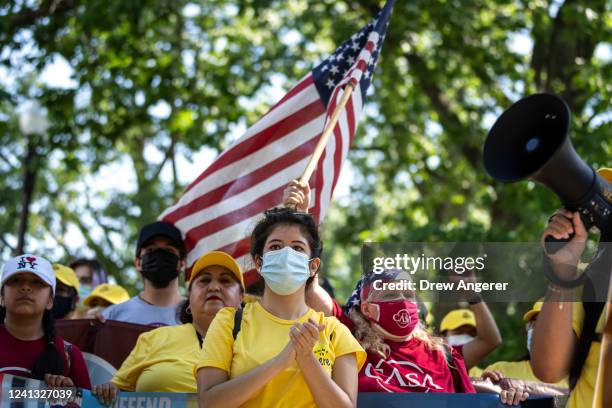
(287, 356)
(106, 393)
(561, 225)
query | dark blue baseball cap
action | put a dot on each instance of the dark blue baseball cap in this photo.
(163, 229)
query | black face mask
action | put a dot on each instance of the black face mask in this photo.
(160, 267)
(62, 305)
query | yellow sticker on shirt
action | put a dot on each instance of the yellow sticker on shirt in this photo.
(323, 355)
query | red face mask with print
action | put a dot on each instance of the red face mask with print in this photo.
(398, 317)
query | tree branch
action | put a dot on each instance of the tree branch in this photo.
(496, 90)
(12, 248)
(168, 156)
(62, 243)
(175, 182)
(442, 106)
(97, 217)
(557, 50)
(109, 264)
(368, 149)
(28, 17)
(6, 160)
(71, 216)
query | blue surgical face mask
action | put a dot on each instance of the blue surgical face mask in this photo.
(84, 291)
(285, 270)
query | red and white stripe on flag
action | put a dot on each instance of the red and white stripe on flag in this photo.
(220, 208)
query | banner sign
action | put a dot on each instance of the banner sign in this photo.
(18, 392)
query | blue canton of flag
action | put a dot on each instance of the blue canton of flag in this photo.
(359, 53)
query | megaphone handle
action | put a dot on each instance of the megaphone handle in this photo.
(552, 244)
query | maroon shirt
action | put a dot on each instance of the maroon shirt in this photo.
(17, 357)
(410, 367)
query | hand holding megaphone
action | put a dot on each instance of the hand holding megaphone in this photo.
(530, 140)
(567, 226)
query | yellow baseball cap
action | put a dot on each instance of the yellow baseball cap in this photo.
(219, 258)
(107, 291)
(457, 318)
(606, 173)
(66, 275)
(537, 306)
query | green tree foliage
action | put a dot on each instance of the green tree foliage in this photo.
(158, 80)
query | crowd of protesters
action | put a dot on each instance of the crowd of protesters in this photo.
(294, 344)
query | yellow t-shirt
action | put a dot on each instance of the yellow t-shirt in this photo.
(475, 372)
(521, 370)
(582, 394)
(161, 361)
(262, 336)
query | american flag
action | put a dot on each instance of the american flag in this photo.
(219, 209)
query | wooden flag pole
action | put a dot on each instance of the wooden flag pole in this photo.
(318, 151)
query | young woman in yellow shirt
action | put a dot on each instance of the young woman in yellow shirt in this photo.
(285, 354)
